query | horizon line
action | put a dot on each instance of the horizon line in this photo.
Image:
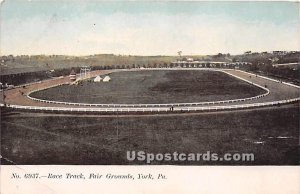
(162, 55)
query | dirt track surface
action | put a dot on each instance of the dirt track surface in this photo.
(278, 91)
(15, 97)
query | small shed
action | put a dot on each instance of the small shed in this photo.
(106, 79)
(98, 79)
(72, 75)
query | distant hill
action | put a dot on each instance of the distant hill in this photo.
(22, 64)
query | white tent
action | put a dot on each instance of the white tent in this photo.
(97, 79)
(106, 79)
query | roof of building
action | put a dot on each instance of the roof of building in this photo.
(98, 79)
(106, 78)
(72, 72)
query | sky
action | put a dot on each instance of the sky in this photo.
(146, 28)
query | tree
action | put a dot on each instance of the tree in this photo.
(179, 53)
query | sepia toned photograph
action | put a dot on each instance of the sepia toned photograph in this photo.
(183, 83)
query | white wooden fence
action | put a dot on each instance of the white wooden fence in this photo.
(154, 109)
(177, 107)
(267, 92)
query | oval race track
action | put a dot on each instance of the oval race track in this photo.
(275, 94)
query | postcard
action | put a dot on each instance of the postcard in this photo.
(149, 96)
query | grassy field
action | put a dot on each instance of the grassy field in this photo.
(272, 134)
(154, 87)
(22, 64)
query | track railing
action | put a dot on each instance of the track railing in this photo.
(159, 108)
(153, 109)
(267, 92)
